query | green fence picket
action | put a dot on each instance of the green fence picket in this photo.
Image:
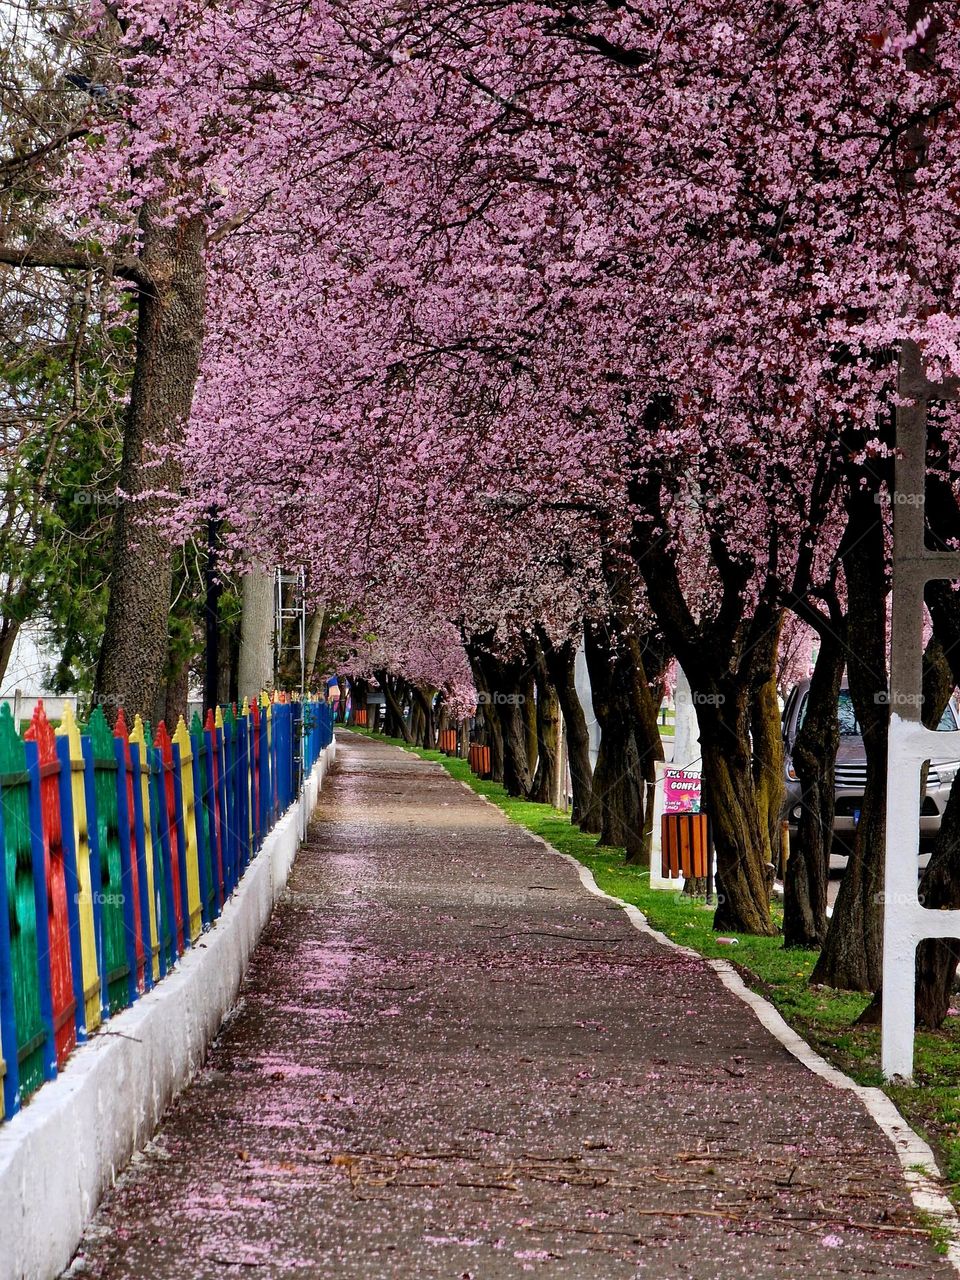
(111, 865)
(32, 1031)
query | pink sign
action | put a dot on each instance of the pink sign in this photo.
(681, 791)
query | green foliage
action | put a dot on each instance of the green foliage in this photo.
(65, 391)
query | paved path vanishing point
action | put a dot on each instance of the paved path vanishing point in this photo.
(450, 1060)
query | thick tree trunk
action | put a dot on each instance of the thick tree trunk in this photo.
(169, 336)
(729, 796)
(395, 725)
(618, 791)
(416, 723)
(560, 661)
(715, 654)
(359, 692)
(545, 781)
(500, 684)
(516, 742)
(423, 734)
(851, 957)
(814, 757)
(767, 739)
(255, 672)
(175, 695)
(487, 727)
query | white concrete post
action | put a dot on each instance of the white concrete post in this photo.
(905, 921)
(686, 729)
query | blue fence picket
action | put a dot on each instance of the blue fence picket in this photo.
(127, 856)
(8, 1017)
(208, 902)
(246, 774)
(242, 780)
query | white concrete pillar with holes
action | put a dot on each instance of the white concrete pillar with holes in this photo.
(906, 922)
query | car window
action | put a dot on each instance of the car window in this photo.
(849, 726)
(948, 721)
(848, 720)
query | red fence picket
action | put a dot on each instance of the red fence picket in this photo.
(41, 732)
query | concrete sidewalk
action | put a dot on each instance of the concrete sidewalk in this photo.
(450, 1060)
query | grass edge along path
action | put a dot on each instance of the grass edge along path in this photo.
(823, 1016)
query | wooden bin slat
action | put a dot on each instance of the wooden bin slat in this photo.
(684, 845)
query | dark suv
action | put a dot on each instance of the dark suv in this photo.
(851, 772)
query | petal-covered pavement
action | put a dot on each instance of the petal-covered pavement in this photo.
(450, 1060)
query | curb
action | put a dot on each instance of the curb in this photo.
(69, 1143)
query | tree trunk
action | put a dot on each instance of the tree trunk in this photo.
(852, 951)
(176, 694)
(255, 671)
(396, 724)
(529, 704)
(500, 685)
(560, 661)
(229, 661)
(715, 654)
(814, 757)
(514, 729)
(729, 796)
(423, 734)
(169, 336)
(767, 739)
(315, 627)
(486, 724)
(9, 630)
(545, 781)
(359, 692)
(416, 723)
(618, 791)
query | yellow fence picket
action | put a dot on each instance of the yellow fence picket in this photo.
(88, 936)
(183, 740)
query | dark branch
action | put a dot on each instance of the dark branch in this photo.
(65, 258)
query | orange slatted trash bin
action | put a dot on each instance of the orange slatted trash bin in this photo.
(684, 845)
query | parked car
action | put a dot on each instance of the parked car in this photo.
(851, 769)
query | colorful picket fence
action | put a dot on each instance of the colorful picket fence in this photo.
(118, 847)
